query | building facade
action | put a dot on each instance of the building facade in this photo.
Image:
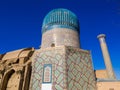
(60, 63)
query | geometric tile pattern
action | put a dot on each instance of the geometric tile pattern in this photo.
(80, 71)
(71, 69)
(49, 56)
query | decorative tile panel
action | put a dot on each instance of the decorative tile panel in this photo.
(47, 73)
(80, 72)
(53, 59)
(71, 69)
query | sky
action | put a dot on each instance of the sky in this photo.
(21, 22)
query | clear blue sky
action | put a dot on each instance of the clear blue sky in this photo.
(21, 21)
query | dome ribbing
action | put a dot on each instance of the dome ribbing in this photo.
(60, 18)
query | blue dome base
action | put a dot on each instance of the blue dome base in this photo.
(59, 26)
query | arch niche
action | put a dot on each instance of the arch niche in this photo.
(11, 81)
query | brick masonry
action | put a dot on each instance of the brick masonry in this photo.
(60, 36)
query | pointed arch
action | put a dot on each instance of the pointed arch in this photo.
(11, 80)
(6, 78)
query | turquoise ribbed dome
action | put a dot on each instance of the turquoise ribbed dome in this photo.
(60, 18)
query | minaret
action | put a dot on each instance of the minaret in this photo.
(106, 56)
